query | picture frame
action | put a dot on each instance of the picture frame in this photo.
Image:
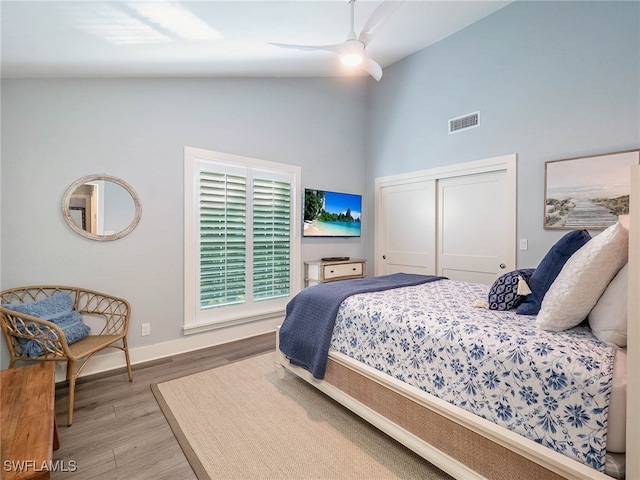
(79, 216)
(587, 192)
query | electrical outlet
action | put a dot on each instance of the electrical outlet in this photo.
(146, 329)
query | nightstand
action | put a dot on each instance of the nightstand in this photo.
(323, 271)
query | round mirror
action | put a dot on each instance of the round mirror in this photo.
(101, 207)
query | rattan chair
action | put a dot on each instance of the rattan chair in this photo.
(112, 310)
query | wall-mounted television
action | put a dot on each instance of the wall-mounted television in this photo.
(331, 214)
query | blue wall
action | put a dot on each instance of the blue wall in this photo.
(551, 80)
(55, 131)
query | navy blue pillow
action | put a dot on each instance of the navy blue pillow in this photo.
(503, 294)
(549, 269)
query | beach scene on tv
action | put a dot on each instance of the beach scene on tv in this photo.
(331, 214)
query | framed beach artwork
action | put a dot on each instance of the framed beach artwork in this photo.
(587, 192)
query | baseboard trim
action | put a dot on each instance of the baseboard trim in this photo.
(114, 359)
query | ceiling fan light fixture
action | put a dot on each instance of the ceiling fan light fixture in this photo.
(351, 59)
(352, 53)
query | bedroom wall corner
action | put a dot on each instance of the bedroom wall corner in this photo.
(551, 80)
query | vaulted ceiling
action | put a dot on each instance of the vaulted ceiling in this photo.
(211, 38)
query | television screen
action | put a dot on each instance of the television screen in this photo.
(331, 214)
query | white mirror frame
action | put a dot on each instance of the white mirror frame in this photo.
(66, 212)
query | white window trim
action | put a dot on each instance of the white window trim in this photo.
(231, 315)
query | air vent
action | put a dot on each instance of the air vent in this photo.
(464, 123)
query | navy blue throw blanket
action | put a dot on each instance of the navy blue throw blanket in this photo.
(306, 332)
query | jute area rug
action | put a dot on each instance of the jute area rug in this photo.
(240, 422)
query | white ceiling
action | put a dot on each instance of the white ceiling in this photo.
(211, 38)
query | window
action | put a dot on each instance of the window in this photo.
(242, 237)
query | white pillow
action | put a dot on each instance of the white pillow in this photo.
(608, 319)
(582, 280)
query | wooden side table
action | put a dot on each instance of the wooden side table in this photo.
(27, 412)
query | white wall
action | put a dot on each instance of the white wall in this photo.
(551, 80)
(56, 131)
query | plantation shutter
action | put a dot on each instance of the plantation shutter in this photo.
(271, 239)
(242, 239)
(222, 239)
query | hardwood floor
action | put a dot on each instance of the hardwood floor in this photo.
(118, 430)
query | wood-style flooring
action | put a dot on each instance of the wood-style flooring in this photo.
(118, 430)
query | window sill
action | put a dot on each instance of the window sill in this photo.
(204, 327)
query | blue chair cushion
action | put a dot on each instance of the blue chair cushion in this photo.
(57, 309)
(503, 294)
(549, 268)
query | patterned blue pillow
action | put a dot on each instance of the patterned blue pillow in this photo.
(58, 309)
(503, 294)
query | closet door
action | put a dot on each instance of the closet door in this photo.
(458, 221)
(475, 243)
(407, 230)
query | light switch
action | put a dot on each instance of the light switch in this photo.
(524, 244)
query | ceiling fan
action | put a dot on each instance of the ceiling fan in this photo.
(352, 51)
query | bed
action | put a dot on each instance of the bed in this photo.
(481, 393)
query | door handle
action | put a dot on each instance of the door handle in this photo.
(503, 266)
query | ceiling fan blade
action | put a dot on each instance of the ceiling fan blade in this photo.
(379, 16)
(330, 48)
(371, 67)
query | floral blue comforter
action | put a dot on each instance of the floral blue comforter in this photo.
(550, 387)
